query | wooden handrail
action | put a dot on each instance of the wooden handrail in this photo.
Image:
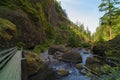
(4, 59)
(15, 62)
(6, 51)
(7, 55)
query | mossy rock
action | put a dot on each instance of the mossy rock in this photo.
(99, 49)
(62, 72)
(93, 64)
(83, 72)
(55, 48)
(72, 57)
(79, 66)
(34, 62)
(92, 60)
(106, 68)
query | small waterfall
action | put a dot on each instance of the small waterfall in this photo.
(84, 56)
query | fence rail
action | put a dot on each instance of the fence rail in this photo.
(6, 51)
(13, 65)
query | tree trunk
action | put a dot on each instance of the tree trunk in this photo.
(110, 33)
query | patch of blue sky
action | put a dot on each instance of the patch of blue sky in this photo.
(84, 11)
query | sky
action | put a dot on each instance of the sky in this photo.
(83, 11)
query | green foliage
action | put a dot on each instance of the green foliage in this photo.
(113, 73)
(7, 29)
(59, 8)
(85, 44)
(20, 45)
(39, 48)
(108, 53)
(42, 47)
(29, 9)
(72, 41)
(106, 69)
(63, 27)
(109, 22)
(47, 27)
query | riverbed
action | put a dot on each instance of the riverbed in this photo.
(74, 73)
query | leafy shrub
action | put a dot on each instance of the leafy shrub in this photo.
(20, 45)
(42, 47)
(7, 29)
(39, 48)
(85, 44)
(72, 41)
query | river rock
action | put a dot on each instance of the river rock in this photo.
(92, 60)
(62, 72)
(54, 48)
(99, 49)
(72, 57)
(93, 64)
(83, 72)
(79, 66)
(33, 62)
(57, 55)
(86, 52)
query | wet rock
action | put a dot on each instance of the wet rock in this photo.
(34, 62)
(54, 48)
(72, 57)
(92, 60)
(83, 72)
(62, 72)
(99, 49)
(57, 55)
(79, 66)
(86, 52)
(93, 64)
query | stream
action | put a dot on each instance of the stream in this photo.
(74, 73)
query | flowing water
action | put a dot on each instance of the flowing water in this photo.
(73, 71)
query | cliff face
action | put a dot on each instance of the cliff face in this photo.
(34, 20)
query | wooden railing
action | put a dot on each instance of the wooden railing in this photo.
(6, 55)
(13, 65)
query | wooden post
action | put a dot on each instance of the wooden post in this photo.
(24, 75)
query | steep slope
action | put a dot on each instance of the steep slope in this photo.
(34, 20)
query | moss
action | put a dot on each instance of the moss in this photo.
(34, 62)
(85, 45)
(20, 45)
(79, 66)
(72, 57)
(93, 64)
(62, 72)
(42, 47)
(54, 48)
(7, 29)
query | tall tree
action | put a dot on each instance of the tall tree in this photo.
(109, 7)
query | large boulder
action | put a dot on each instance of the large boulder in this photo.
(62, 72)
(37, 70)
(92, 60)
(99, 49)
(54, 48)
(93, 64)
(34, 62)
(72, 57)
